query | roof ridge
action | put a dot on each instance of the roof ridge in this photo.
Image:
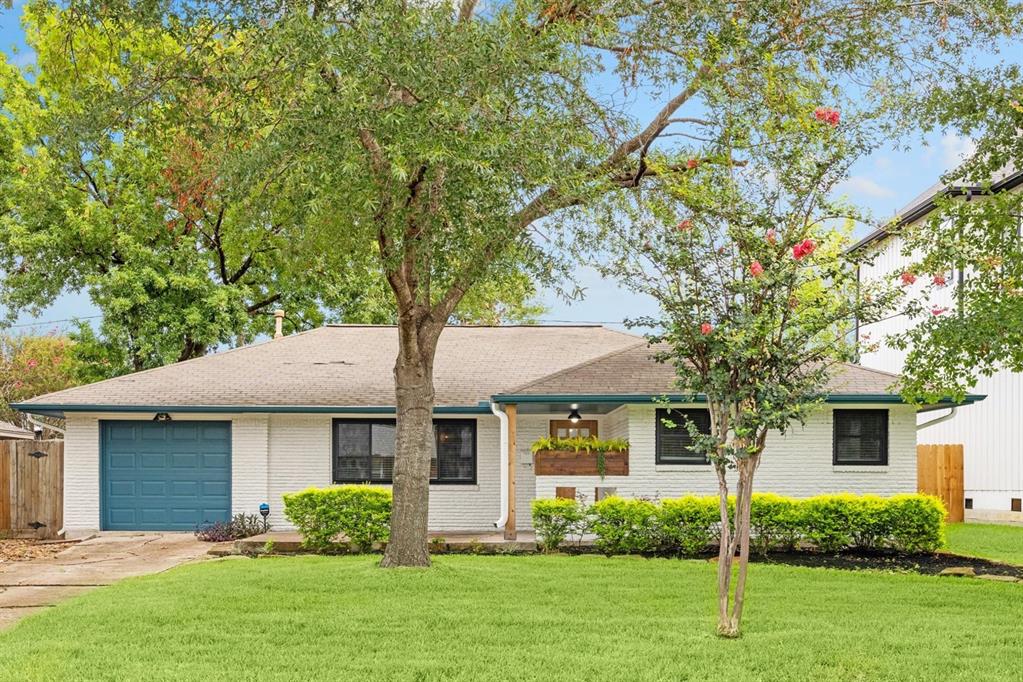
(576, 366)
(178, 363)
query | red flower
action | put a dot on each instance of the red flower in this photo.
(772, 236)
(685, 225)
(907, 278)
(33, 363)
(692, 163)
(706, 328)
(18, 384)
(803, 249)
(756, 269)
(938, 311)
(939, 280)
(827, 115)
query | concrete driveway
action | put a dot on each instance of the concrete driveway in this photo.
(28, 586)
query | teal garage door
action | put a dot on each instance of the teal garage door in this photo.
(164, 475)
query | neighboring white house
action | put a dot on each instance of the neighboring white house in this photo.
(992, 431)
(196, 441)
(10, 431)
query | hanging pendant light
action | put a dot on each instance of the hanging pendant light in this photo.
(574, 415)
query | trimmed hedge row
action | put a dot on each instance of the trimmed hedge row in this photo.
(689, 525)
(326, 516)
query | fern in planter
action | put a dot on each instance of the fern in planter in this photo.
(588, 444)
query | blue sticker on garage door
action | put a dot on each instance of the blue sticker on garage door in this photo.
(164, 475)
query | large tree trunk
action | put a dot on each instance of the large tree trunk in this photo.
(413, 379)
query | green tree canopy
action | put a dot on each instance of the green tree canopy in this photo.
(140, 206)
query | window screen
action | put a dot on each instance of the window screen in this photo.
(674, 444)
(363, 451)
(861, 437)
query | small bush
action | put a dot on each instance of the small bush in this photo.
(360, 513)
(776, 523)
(240, 527)
(624, 526)
(828, 522)
(916, 522)
(688, 525)
(554, 520)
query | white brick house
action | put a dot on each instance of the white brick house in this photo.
(197, 441)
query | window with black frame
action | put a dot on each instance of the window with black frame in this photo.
(363, 451)
(861, 437)
(674, 444)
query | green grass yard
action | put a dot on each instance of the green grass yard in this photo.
(990, 541)
(524, 618)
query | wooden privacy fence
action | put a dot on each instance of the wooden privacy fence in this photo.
(31, 488)
(939, 472)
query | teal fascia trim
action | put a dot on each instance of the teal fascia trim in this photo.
(862, 398)
(57, 410)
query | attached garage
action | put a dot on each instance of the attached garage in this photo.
(164, 475)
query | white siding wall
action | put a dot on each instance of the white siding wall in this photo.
(991, 431)
(279, 453)
(249, 440)
(798, 464)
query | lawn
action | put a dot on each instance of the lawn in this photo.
(526, 618)
(990, 541)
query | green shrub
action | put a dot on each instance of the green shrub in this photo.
(916, 522)
(554, 520)
(828, 522)
(776, 523)
(624, 526)
(360, 513)
(687, 525)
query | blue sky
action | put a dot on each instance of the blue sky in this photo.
(884, 182)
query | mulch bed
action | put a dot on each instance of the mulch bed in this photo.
(29, 550)
(927, 564)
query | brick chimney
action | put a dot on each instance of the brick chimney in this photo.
(278, 324)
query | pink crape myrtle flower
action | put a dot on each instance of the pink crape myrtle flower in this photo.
(33, 363)
(827, 115)
(706, 328)
(939, 280)
(772, 236)
(938, 311)
(804, 249)
(756, 269)
(692, 163)
(907, 278)
(684, 225)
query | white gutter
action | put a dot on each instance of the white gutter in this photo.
(943, 418)
(503, 417)
(43, 425)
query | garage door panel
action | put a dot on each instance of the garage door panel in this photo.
(184, 460)
(166, 476)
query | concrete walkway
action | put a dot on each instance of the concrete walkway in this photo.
(28, 586)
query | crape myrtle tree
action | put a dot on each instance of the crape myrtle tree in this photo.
(971, 325)
(756, 297)
(132, 200)
(451, 141)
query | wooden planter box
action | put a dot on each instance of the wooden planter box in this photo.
(570, 463)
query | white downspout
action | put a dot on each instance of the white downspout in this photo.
(503, 418)
(43, 425)
(943, 418)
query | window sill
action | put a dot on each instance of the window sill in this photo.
(860, 468)
(683, 467)
(455, 486)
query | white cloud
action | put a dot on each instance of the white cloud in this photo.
(955, 149)
(864, 186)
(883, 162)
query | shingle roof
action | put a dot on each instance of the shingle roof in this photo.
(352, 365)
(11, 431)
(633, 371)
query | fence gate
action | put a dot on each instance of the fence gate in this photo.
(939, 472)
(31, 488)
